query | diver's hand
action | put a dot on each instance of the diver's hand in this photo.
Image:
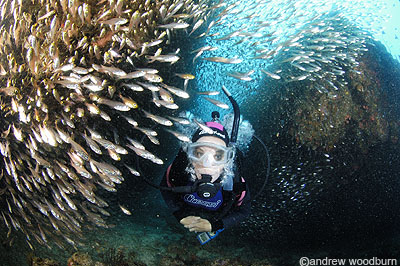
(197, 224)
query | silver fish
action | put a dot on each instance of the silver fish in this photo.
(241, 76)
(223, 60)
(115, 21)
(210, 93)
(133, 171)
(125, 210)
(175, 25)
(178, 135)
(164, 58)
(271, 75)
(142, 153)
(133, 86)
(178, 92)
(217, 103)
(203, 127)
(158, 119)
(180, 120)
(136, 144)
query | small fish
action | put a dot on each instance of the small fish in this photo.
(9, 91)
(105, 143)
(18, 134)
(149, 86)
(48, 135)
(205, 48)
(217, 103)
(157, 160)
(299, 78)
(175, 25)
(210, 93)
(114, 155)
(131, 121)
(105, 116)
(148, 70)
(133, 86)
(136, 143)
(203, 127)
(134, 75)
(113, 71)
(115, 21)
(120, 150)
(152, 77)
(114, 104)
(92, 144)
(165, 96)
(106, 168)
(80, 151)
(271, 75)
(158, 119)
(164, 58)
(92, 108)
(81, 70)
(66, 68)
(94, 134)
(223, 60)
(178, 92)
(153, 43)
(154, 140)
(142, 153)
(197, 56)
(147, 131)
(179, 120)
(197, 25)
(185, 76)
(241, 76)
(125, 210)
(129, 102)
(178, 135)
(133, 171)
(166, 104)
(93, 87)
(47, 15)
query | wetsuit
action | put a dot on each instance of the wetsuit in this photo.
(226, 209)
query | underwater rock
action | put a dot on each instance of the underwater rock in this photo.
(36, 261)
(119, 257)
(80, 259)
(329, 91)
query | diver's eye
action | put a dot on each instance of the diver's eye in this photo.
(218, 156)
(198, 153)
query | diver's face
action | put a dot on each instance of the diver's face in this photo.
(204, 166)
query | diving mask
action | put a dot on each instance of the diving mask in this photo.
(209, 154)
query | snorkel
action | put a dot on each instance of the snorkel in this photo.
(236, 116)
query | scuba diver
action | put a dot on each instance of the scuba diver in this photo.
(221, 198)
(203, 186)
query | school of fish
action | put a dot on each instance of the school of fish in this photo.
(69, 72)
